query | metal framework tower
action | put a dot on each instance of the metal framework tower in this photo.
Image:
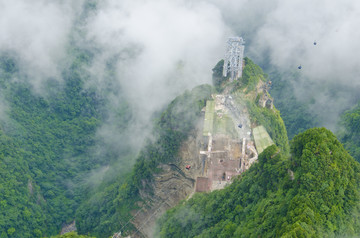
(234, 57)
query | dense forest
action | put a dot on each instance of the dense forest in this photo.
(52, 158)
(312, 193)
(45, 149)
(109, 210)
(350, 133)
(58, 161)
(49, 143)
(43, 144)
(296, 113)
(72, 234)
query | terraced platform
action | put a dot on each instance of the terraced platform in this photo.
(262, 139)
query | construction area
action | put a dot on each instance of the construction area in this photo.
(231, 145)
(223, 146)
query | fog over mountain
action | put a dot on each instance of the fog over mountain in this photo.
(36, 33)
(95, 98)
(163, 47)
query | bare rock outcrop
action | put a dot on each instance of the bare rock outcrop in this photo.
(68, 228)
(174, 183)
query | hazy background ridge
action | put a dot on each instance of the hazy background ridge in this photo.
(163, 47)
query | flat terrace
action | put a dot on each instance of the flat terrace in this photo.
(225, 150)
(222, 163)
(222, 170)
(262, 139)
(209, 118)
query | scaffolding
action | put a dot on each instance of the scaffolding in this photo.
(234, 55)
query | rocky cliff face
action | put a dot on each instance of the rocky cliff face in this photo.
(174, 183)
(177, 180)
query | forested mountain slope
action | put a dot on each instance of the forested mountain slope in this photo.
(296, 114)
(49, 141)
(35, 139)
(47, 147)
(312, 193)
(112, 208)
(48, 144)
(350, 133)
(116, 205)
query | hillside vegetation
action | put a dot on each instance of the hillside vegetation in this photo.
(49, 147)
(48, 139)
(248, 89)
(109, 209)
(350, 136)
(49, 144)
(312, 193)
(43, 149)
(72, 234)
(296, 114)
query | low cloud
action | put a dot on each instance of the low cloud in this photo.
(37, 33)
(160, 48)
(287, 39)
(164, 47)
(280, 35)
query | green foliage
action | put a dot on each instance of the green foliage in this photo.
(269, 118)
(217, 76)
(350, 135)
(173, 127)
(37, 141)
(272, 121)
(252, 74)
(295, 113)
(72, 234)
(46, 144)
(329, 177)
(320, 198)
(110, 210)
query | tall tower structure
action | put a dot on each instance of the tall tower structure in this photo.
(234, 57)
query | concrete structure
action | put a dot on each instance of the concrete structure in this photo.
(227, 149)
(233, 61)
(202, 184)
(262, 139)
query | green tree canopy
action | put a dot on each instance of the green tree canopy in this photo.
(312, 193)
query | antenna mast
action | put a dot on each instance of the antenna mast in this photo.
(234, 55)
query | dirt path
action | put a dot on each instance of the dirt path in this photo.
(240, 117)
